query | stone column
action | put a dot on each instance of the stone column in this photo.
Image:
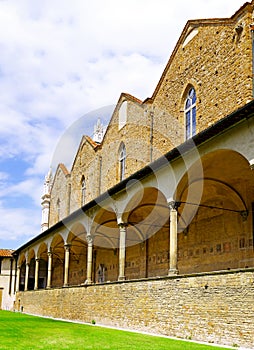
(18, 278)
(89, 259)
(122, 248)
(36, 277)
(49, 269)
(173, 205)
(26, 277)
(66, 264)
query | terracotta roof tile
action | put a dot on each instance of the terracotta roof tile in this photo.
(92, 142)
(6, 253)
(64, 169)
(130, 97)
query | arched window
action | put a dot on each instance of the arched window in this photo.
(122, 161)
(190, 114)
(83, 191)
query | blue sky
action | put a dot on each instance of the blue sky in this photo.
(61, 61)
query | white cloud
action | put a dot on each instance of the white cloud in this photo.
(18, 228)
(60, 60)
(30, 187)
(3, 176)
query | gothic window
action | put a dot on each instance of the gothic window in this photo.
(190, 114)
(122, 161)
(83, 191)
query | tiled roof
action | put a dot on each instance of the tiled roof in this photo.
(130, 97)
(64, 169)
(91, 141)
(6, 253)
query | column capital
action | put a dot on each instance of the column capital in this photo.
(37, 259)
(67, 246)
(244, 214)
(89, 239)
(122, 225)
(49, 253)
(173, 205)
(251, 162)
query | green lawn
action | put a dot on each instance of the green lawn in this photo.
(20, 331)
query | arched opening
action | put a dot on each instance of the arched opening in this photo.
(147, 243)
(78, 255)
(43, 266)
(216, 233)
(22, 265)
(105, 246)
(58, 255)
(31, 275)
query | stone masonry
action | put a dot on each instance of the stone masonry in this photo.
(214, 307)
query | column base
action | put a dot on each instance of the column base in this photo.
(173, 272)
(66, 285)
(121, 278)
(87, 282)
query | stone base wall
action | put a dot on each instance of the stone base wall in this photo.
(215, 307)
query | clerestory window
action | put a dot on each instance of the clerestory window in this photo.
(190, 114)
(83, 191)
(122, 161)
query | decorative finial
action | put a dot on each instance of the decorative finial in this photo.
(98, 132)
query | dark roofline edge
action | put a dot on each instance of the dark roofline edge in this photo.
(241, 114)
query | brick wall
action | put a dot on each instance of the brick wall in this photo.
(214, 307)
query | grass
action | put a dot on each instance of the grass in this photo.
(20, 331)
